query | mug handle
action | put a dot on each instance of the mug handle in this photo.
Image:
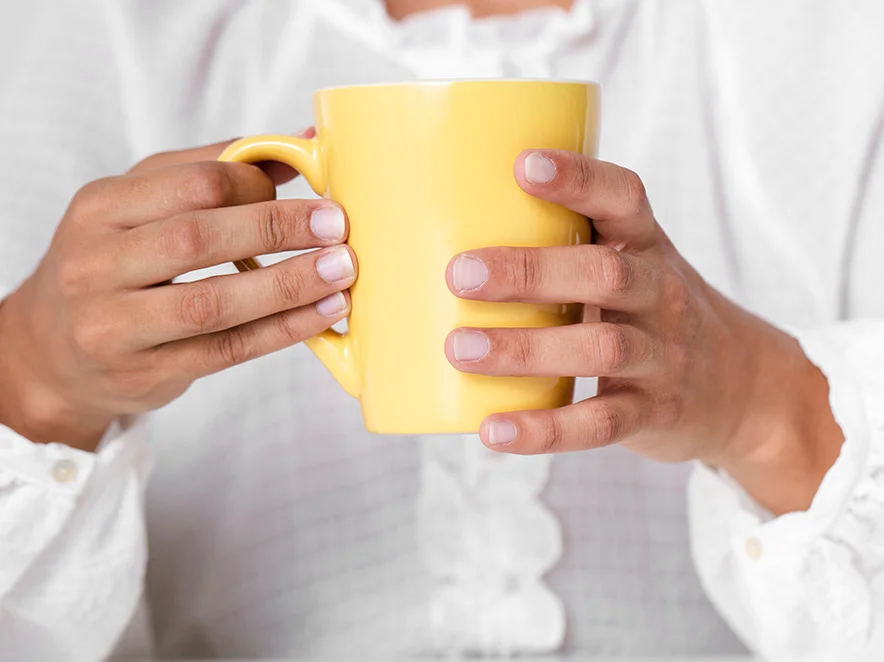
(334, 349)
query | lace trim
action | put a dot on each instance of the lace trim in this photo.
(484, 535)
(447, 43)
(486, 540)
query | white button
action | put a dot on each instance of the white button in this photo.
(753, 548)
(65, 471)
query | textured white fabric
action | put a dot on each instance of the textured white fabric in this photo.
(278, 527)
(73, 545)
(825, 565)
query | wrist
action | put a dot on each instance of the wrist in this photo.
(787, 439)
(28, 405)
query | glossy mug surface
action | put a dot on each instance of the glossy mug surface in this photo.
(425, 171)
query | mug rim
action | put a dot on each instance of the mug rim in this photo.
(433, 82)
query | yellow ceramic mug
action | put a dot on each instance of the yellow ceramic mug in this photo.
(425, 171)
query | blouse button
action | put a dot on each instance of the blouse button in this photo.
(753, 548)
(65, 471)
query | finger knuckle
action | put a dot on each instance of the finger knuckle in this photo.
(584, 176)
(262, 183)
(552, 434)
(291, 328)
(89, 201)
(613, 349)
(71, 277)
(139, 188)
(677, 296)
(518, 345)
(525, 272)
(617, 272)
(231, 348)
(607, 424)
(201, 307)
(208, 186)
(92, 339)
(634, 193)
(185, 240)
(289, 285)
(277, 226)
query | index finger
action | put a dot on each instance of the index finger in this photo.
(280, 173)
(180, 156)
(128, 201)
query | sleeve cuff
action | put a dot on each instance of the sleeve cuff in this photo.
(852, 401)
(714, 491)
(805, 565)
(64, 470)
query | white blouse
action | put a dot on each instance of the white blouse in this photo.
(276, 526)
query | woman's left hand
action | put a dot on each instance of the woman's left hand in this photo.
(684, 373)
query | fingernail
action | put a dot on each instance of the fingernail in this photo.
(470, 345)
(332, 305)
(328, 223)
(335, 265)
(501, 432)
(539, 169)
(469, 273)
(309, 132)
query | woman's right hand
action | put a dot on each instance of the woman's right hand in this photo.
(99, 330)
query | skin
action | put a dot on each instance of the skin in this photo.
(684, 372)
(99, 330)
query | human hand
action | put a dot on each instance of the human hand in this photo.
(684, 373)
(99, 330)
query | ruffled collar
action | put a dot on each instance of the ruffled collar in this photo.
(449, 42)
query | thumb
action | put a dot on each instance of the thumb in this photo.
(613, 197)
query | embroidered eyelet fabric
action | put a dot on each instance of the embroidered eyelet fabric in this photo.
(274, 526)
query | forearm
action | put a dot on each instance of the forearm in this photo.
(787, 442)
(810, 582)
(793, 444)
